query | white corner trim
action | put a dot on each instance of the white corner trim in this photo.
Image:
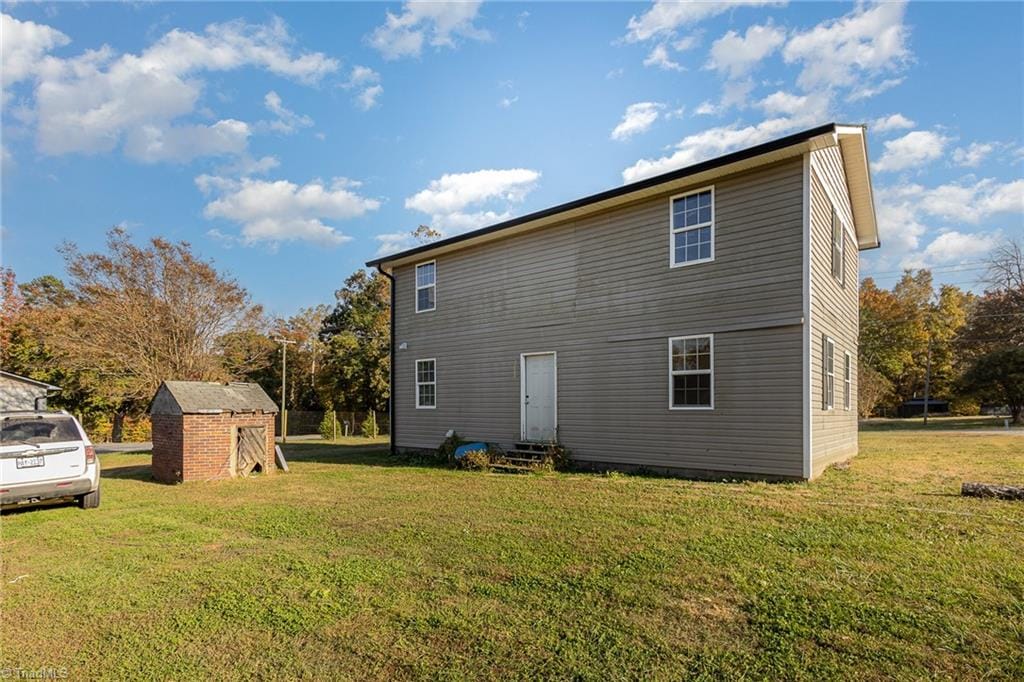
(807, 294)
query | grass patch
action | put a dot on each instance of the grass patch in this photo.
(360, 565)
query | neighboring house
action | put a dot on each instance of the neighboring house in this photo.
(915, 407)
(701, 322)
(18, 393)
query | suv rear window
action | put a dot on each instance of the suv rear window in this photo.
(38, 430)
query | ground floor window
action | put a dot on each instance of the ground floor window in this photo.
(691, 372)
(847, 380)
(426, 383)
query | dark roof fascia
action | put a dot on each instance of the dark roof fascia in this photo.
(711, 164)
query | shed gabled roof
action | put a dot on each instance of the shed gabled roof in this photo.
(26, 380)
(210, 397)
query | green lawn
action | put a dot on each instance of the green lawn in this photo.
(358, 566)
(934, 424)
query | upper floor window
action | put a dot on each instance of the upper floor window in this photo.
(691, 372)
(426, 279)
(838, 244)
(693, 227)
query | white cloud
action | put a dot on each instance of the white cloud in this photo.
(433, 23)
(665, 16)
(686, 43)
(972, 155)
(368, 82)
(615, 73)
(24, 45)
(279, 211)
(660, 58)
(735, 93)
(637, 119)
(180, 144)
(870, 90)
(869, 40)
(952, 247)
(720, 140)
(361, 75)
(893, 122)
(913, 149)
(287, 120)
(736, 55)
(507, 102)
(367, 99)
(905, 211)
(447, 198)
(969, 203)
(780, 102)
(95, 101)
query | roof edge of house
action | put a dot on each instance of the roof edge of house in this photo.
(623, 190)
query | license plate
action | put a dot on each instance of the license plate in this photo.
(29, 462)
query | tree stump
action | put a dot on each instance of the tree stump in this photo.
(1002, 492)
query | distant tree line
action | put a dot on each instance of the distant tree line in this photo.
(969, 347)
(131, 316)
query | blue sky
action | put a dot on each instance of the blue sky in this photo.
(292, 142)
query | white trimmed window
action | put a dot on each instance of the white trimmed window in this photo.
(828, 373)
(691, 370)
(838, 246)
(847, 380)
(426, 384)
(692, 225)
(426, 280)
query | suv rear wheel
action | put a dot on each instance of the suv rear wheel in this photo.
(89, 500)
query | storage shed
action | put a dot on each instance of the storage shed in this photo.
(21, 394)
(206, 430)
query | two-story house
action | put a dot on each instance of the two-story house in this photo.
(701, 322)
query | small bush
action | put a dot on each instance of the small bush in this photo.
(962, 406)
(369, 427)
(475, 460)
(557, 457)
(446, 451)
(327, 426)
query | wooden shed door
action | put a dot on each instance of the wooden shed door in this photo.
(252, 449)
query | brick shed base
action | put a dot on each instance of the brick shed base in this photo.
(198, 447)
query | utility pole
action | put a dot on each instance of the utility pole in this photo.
(927, 378)
(284, 387)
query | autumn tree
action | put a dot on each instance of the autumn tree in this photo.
(357, 339)
(144, 314)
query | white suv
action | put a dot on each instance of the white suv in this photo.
(44, 456)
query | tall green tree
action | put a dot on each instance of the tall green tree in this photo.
(998, 376)
(356, 335)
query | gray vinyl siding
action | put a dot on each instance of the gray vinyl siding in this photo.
(599, 291)
(834, 311)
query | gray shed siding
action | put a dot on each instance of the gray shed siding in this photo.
(834, 312)
(18, 395)
(599, 291)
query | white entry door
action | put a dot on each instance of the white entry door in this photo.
(539, 397)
